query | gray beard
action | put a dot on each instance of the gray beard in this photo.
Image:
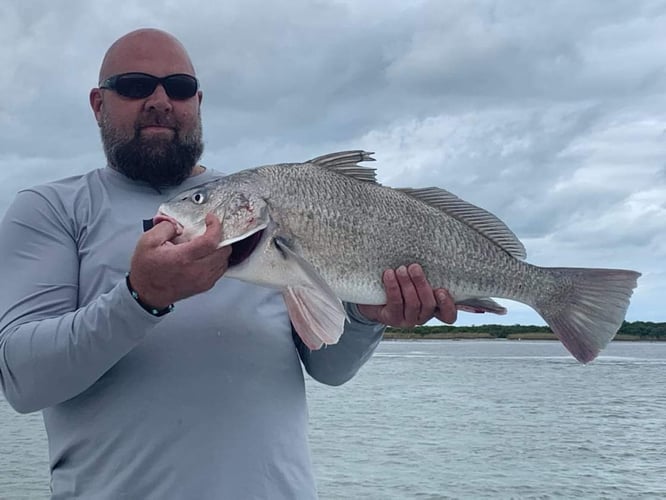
(159, 162)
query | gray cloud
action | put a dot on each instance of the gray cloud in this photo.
(551, 115)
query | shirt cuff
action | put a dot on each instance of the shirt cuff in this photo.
(356, 315)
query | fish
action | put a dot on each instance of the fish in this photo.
(323, 232)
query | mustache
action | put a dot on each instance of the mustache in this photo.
(156, 119)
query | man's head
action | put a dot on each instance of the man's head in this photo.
(156, 137)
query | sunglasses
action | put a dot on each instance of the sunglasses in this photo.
(140, 85)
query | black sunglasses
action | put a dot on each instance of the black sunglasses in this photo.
(140, 85)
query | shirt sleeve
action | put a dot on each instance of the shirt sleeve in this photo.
(338, 363)
(50, 348)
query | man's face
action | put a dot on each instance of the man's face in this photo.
(158, 144)
(157, 138)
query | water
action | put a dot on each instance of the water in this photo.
(497, 419)
(23, 455)
(460, 420)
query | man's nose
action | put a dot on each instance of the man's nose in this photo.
(159, 100)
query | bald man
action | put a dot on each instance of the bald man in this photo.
(156, 378)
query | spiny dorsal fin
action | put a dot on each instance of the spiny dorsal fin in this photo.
(478, 218)
(347, 163)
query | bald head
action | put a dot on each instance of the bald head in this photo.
(148, 51)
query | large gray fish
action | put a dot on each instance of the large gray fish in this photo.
(324, 231)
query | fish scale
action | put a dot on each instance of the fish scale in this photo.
(376, 236)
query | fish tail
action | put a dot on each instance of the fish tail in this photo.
(587, 307)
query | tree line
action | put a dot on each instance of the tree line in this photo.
(645, 330)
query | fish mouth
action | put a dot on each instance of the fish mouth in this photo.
(242, 249)
(241, 246)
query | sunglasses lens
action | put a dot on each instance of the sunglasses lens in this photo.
(135, 86)
(181, 86)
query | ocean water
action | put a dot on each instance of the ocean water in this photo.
(460, 420)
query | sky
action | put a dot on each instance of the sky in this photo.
(551, 115)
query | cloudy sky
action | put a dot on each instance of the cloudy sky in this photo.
(550, 114)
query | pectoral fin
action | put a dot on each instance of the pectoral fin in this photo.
(315, 311)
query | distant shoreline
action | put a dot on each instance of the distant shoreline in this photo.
(392, 335)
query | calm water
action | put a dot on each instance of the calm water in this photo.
(461, 419)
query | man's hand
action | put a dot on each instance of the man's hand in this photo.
(410, 300)
(162, 272)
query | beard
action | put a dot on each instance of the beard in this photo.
(159, 161)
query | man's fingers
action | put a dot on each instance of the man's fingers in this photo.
(393, 294)
(393, 311)
(412, 303)
(206, 244)
(410, 300)
(213, 229)
(425, 294)
(446, 308)
(160, 234)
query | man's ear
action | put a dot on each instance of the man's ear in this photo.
(96, 104)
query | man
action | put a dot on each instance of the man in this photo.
(142, 400)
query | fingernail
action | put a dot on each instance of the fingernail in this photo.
(402, 270)
(415, 267)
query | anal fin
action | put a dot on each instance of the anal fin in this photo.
(480, 305)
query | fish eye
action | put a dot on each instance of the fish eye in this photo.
(199, 197)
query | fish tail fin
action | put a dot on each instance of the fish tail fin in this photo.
(588, 307)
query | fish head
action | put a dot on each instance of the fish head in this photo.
(243, 214)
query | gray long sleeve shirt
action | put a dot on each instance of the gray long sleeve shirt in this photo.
(207, 402)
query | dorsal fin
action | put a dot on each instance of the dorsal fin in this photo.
(347, 163)
(477, 218)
